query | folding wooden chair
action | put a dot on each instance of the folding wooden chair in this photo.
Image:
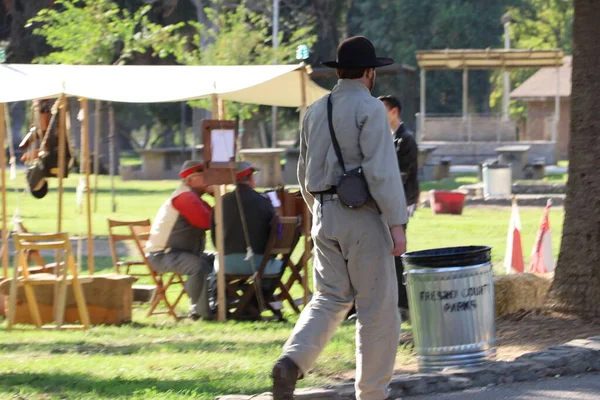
(138, 232)
(293, 205)
(66, 274)
(163, 281)
(40, 265)
(121, 232)
(241, 289)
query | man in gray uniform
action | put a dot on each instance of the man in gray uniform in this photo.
(354, 248)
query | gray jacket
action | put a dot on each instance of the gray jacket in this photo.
(362, 130)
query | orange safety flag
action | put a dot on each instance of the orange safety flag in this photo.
(513, 258)
(542, 258)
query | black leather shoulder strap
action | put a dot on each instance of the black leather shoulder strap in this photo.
(336, 145)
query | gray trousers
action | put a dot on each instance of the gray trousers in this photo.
(353, 263)
(198, 270)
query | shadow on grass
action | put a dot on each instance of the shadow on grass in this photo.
(76, 385)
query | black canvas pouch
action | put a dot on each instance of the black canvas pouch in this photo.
(352, 188)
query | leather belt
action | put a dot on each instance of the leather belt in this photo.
(331, 190)
(324, 195)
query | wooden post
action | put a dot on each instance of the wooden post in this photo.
(3, 182)
(62, 138)
(85, 160)
(221, 109)
(306, 212)
(112, 151)
(215, 107)
(218, 112)
(302, 96)
(422, 105)
(465, 94)
(222, 310)
(556, 109)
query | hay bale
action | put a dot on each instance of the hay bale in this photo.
(518, 292)
(108, 297)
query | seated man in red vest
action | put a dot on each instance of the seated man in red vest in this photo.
(178, 237)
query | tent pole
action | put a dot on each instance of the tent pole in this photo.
(422, 106)
(85, 159)
(215, 107)
(182, 128)
(465, 99)
(556, 107)
(220, 248)
(218, 112)
(97, 134)
(5, 249)
(112, 154)
(62, 136)
(305, 213)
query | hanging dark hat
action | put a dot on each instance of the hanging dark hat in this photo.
(357, 52)
(189, 167)
(38, 186)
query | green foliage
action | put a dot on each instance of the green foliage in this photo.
(95, 32)
(238, 37)
(399, 28)
(537, 24)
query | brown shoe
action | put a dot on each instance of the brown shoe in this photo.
(285, 375)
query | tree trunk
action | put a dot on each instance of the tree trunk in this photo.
(577, 280)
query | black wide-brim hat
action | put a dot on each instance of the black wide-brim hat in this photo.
(357, 52)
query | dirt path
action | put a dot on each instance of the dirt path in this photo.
(517, 334)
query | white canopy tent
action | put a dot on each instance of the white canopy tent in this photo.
(275, 85)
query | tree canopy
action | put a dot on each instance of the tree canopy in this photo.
(239, 32)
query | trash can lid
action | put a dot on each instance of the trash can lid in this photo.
(447, 257)
(496, 166)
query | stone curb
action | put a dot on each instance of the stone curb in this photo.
(572, 358)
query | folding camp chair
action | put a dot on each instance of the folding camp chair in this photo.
(293, 205)
(138, 232)
(40, 265)
(120, 232)
(241, 289)
(66, 274)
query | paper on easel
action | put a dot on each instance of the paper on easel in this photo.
(222, 145)
(274, 199)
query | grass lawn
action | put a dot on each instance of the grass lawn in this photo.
(160, 359)
(155, 359)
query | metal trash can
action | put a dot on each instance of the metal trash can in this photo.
(451, 299)
(497, 180)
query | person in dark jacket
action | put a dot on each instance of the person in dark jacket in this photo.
(407, 152)
(258, 214)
